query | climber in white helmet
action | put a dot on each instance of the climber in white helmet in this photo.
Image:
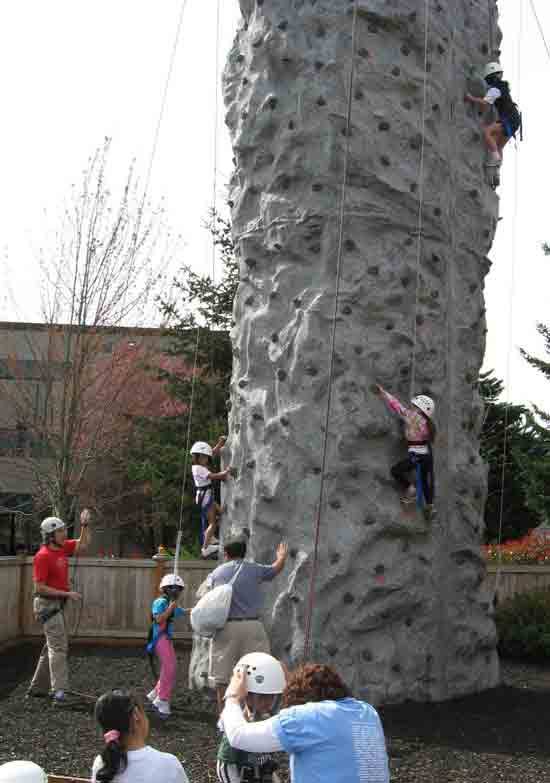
(419, 431)
(329, 735)
(498, 133)
(22, 772)
(164, 611)
(201, 453)
(51, 592)
(266, 681)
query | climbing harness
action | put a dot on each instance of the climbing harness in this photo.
(339, 257)
(200, 494)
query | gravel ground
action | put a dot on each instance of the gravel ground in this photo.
(500, 735)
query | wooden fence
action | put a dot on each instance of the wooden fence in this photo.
(517, 579)
(117, 596)
(10, 591)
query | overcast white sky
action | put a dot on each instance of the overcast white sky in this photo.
(76, 71)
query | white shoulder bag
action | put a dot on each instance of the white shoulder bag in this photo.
(211, 612)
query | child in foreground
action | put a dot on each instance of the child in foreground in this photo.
(126, 758)
(266, 681)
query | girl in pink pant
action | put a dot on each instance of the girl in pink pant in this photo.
(164, 611)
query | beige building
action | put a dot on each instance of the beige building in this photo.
(33, 378)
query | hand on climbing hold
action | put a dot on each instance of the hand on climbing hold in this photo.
(231, 471)
(376, 389)
(468, 98)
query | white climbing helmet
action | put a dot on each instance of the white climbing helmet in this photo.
(50, 525)
(200, 447)
(425, 404)
(491, 69)
(22, 772)
(264, 673)
(172, 580)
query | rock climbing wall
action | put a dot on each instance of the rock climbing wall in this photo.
(398, 606)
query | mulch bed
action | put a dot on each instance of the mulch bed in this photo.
(497, 736)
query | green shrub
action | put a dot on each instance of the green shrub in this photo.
(523, 624)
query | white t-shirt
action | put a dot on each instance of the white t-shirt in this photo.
(201, 475)
(147, 765)
(493, 93)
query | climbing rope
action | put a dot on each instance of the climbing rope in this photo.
(214, 197)
(539, 25)
(510, 324)
(420, 197)
(188, 437)
(315, 560)
(197, 340)
(216, 123)
(163, 102)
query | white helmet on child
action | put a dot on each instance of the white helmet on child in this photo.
(491, 69)
(22, 772)
(200, 447)
(51, 524)
(264, 673)
(172, 580)
(425, 404)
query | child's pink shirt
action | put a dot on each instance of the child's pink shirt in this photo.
(416, 426)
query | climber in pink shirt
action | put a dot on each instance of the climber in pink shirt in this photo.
(419, 431)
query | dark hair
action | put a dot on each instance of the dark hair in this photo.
(235, 548)
(314, 682)
(114, 710)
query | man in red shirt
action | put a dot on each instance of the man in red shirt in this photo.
(51, 591)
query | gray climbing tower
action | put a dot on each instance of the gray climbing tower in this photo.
(398, 607)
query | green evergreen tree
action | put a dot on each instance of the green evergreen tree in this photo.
(199, 318)
(526, 497)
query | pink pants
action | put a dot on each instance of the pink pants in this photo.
(167, 657)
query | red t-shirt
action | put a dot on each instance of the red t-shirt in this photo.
(51, 566)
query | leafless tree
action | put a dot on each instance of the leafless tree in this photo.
(66, 402)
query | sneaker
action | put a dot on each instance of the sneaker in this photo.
(162, 707)
(429, 512)
(152, 696)
(59, 699)
(209, 551)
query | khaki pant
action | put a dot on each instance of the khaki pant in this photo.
(51, 672)
(236, 638)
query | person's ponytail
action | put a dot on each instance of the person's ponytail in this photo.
(113, 712)
(114, 758)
